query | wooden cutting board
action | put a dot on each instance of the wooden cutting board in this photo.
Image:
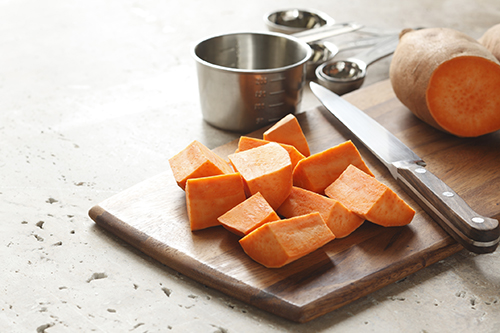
(152, 217)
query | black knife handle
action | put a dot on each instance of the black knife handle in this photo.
(476, 233)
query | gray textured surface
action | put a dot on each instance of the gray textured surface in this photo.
(95, 96)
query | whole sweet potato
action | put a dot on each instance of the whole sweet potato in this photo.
(491, 40)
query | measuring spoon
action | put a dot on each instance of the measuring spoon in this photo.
(343, 76)
(324, 51)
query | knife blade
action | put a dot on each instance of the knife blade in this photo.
(476, 233)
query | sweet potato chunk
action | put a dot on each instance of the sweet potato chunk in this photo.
(317, 171)
(248, 215)
(196, 161)
(266, 169)
(370, 199)
(247, 142)
(278, 243)
(337, 217)
(208, 198)
(288, 131)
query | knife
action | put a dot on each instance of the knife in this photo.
(474, 232)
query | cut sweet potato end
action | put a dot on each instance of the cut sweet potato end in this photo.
(248, 215)
(276, 244)
(463, 96)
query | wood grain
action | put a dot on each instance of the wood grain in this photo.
(152, 217)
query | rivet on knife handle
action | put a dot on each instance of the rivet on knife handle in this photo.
(476, 233)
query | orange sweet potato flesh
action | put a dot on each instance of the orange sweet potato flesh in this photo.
(207, 198)
(288, 131)
(266, 169)
(196, 161)
(319, 170)
(341, 221)
(247, 142)
(448, 80)
(248, 215)
(276, 244)
(473, 107)
(370, 199)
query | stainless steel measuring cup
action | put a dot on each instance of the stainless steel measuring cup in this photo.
(343, 76)
(250, 79)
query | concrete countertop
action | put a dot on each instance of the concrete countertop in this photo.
(95, 96)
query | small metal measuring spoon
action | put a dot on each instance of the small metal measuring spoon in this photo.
(343, 76)
(324, 51)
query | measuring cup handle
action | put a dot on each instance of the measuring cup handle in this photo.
(380, 50)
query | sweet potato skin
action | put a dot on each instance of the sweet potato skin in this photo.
(491, 40)
(415, 61)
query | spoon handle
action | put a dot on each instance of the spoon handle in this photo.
(379, 51)
(316, 34)
(360, 43)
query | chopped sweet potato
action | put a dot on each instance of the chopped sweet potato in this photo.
(207, 198)
(370, 199)
(319, 170)
(341, 221)
(266, 169)
(248, 215)
(288, 131)
(247, 142)
(196, 161)
(278, 243)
